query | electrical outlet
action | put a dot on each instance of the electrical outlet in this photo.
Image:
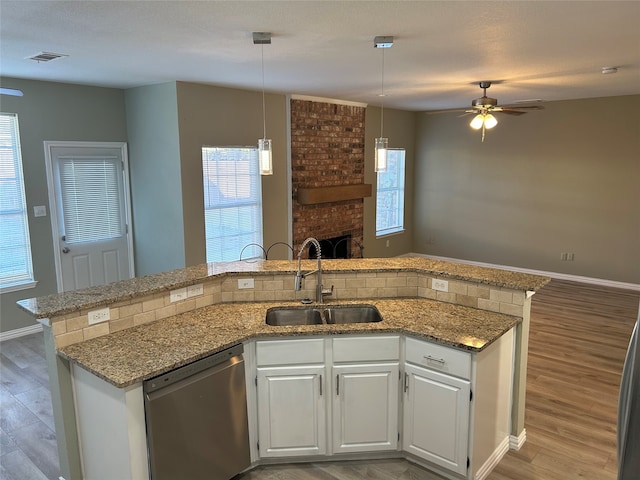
(195, 290)
(387, 243)
(440, 285)
(245, 283)
(177, 295)
(97, 316)
(567, 256)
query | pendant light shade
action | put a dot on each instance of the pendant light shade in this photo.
(265, 157)
(382, 143)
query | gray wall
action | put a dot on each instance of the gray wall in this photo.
(565, 179)
(217, 116)
(399, 127)
(156, 189)
(53, 111)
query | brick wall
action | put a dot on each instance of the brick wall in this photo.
(327, 149)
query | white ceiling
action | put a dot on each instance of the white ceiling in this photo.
(550, 50)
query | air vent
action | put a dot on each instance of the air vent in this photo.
(46, 56)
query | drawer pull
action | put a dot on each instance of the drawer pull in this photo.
(439, 361)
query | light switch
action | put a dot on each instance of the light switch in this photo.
(40, 211)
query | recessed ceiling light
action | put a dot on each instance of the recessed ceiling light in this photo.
(609, 70)
(46, 56)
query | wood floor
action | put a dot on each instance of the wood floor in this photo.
(28, 448)
(579, 336)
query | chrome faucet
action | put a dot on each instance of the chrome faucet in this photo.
(300, 276)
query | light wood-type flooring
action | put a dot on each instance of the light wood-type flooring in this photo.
(579, 335)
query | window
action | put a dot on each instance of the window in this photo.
(16, 270)
(390, 195)
(232, 202)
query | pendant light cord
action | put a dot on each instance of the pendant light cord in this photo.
(382, 97)
(264, 115)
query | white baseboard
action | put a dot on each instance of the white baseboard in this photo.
(559, 276)
(484, 471)
(20, 332)
(516, 443)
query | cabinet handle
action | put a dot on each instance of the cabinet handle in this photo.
(321, 385)
(337, 385)
(439, 361)
(406, 382)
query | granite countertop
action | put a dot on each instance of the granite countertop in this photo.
(63, 303)
(130, 356)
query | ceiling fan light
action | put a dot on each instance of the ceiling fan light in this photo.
(477, 122)
(490, 121)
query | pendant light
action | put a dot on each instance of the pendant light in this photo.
(382, 143)
(264, 143)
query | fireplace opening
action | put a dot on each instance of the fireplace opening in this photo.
(336, 247)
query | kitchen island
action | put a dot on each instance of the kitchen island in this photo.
(148, 334)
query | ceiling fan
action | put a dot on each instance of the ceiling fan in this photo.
(484, 107)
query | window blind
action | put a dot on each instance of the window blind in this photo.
(390, 195)
(91, 203)
(15, 246)
(232, 202)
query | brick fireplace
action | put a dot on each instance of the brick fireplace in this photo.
(327, 151)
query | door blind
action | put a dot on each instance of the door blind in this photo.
(91, 204)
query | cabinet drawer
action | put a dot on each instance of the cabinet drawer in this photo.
(356, 349)
(289, 352)
(438, 357)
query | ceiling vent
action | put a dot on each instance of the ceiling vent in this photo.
(46, 56)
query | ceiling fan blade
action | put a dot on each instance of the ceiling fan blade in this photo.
(510, 112)
(432, 112)
(523, 107)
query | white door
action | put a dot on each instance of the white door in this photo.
(436, 418)
(90, 211)
(365, 407)
(291, 411)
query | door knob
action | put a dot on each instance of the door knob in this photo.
(65, 250)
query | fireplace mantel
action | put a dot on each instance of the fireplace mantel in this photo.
(312, 196)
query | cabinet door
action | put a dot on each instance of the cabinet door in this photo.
(291, 411)
(365, 407)
(436, 418)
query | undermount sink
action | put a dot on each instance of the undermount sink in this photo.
(293, 316)
(319, 315)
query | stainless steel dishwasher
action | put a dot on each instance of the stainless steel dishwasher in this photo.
(197, 419)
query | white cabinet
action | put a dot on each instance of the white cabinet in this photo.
(291, 397)
(436, 417)
(365, 387)
(365, 407)
(302, 411)
(437, 393)
(291, 411)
